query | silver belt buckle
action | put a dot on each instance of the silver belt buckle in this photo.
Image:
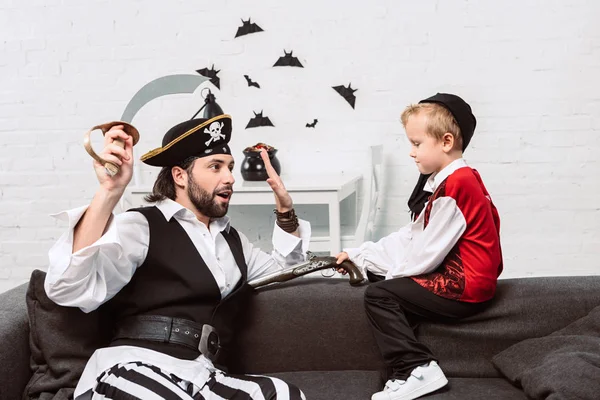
(209, 344)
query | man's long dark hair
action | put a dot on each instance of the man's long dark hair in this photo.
(164, 186)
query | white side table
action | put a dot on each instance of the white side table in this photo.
(304, 189)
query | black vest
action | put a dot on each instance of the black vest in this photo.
(174, 281)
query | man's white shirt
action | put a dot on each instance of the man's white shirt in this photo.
(96, 273)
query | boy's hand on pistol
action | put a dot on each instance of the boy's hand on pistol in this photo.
(341, 257)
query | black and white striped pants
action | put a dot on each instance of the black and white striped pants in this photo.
(141, 381)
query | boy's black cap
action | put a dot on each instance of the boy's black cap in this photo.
(461, 112)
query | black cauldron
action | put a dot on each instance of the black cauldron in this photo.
(253, 167)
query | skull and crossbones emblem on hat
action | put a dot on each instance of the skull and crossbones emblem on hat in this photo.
(214, 130)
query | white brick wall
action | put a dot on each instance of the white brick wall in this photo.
(529, 68)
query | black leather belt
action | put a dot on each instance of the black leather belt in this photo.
(180, 331)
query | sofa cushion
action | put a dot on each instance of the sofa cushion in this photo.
(360, 385)
(14, 343)
(477, 389)
(565, 364)
(320, 324)
(523, 308)
(329, 385)
(62, 339)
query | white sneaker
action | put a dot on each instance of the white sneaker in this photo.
(422, 380)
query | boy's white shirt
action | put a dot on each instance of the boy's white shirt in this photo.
(414, 250)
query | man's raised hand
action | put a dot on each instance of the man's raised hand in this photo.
(123, 157)
(283, 200)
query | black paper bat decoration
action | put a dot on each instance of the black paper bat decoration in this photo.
(288, 60)
(259, 120)
(251, 82)
(312, 124)
(347, 93)
(248, 28)
(212, 75)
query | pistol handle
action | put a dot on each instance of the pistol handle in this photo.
(356, 277)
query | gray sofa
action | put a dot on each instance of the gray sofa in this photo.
(314, 333)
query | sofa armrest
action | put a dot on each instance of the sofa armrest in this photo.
(14, 351)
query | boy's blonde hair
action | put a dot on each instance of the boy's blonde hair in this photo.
(439, 121)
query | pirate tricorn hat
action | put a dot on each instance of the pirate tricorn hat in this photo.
(198, 137)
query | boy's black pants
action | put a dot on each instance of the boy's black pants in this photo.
(388, 304)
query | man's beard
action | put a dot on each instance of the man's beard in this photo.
(204, 201)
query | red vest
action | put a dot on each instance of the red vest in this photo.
(470, 271)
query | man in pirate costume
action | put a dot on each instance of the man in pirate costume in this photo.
(174, 275)
(443, 265)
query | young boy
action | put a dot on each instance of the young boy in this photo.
(444, 264)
